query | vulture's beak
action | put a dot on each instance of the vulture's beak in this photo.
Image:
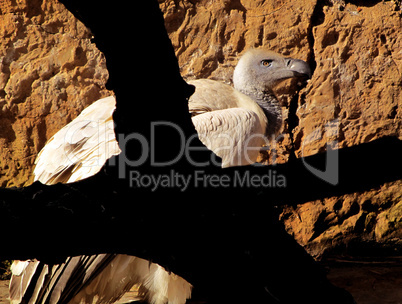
(299, 67)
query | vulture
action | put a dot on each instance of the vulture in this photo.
(236, 122)
(233, 122)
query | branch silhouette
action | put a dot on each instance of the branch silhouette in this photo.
(196, 232)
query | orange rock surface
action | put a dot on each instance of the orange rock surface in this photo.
(49, 72)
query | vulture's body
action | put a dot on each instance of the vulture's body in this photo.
(233, 126)
(234, 123)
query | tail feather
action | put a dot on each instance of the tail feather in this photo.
(163, 287)
(179, 289)
(99, 279)
(22, 271)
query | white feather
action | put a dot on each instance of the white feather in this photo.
(154, 282)
(17, 267)
(81, 148)
(22, 273)
(229, 123)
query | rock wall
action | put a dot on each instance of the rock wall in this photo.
(353, 97)
(49, 72)
(357, 83)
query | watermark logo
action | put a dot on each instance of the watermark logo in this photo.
(331, 172)
(101, 138)
(201, 179)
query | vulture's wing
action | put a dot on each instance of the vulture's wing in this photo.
(235, 135)
(103, 278)
(22, 271)
(81, 148)
(77, 151)
(119, 275)
(229, 123)
(41, 283)
(211, 95)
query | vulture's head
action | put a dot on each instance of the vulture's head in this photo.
(261, 70)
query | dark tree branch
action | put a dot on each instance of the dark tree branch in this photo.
(202, 233)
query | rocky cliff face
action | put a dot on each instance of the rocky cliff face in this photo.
(353, 97)
(50, 71)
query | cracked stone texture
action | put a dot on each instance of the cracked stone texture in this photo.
(49, 72)
(353, 97)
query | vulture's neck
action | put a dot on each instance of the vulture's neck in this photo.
(270, 105)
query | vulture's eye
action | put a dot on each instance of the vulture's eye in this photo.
(266, 62)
